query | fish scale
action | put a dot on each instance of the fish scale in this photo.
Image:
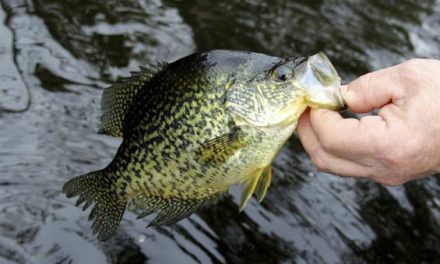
(193, 128)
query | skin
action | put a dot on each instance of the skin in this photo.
(399, 144)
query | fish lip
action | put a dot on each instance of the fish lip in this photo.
(319, 79)
(341, 99)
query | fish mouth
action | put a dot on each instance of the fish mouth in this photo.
(328, 99)
(320, 81)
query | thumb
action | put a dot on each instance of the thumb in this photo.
(373, 90)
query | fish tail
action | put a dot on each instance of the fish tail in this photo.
(109, 206)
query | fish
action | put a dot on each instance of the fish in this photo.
(194, 127)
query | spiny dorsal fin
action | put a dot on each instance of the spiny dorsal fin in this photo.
(168, 210)
(116, 99)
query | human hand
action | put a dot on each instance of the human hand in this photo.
(399, 144)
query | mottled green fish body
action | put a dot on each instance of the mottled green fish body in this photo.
(194, 127)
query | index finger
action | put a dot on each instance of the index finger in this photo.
(347, 136)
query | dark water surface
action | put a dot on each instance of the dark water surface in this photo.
(56, 57)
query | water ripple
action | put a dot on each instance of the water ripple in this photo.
(58, 56)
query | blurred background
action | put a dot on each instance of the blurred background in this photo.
(56, 57)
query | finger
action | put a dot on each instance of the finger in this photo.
(323, 160)
(373, 90)
(349, 136)
(307, 134)
(303, 126)
(326, 162)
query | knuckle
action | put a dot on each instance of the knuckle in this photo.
(399, 154)
(365, 82)
(365, 79)
(409, 71)
(391, 181)
(391, 159)
(376, 144)
(318, 158)
(373, 144)
(391, 153)
(327, 143)
(385, 177)
(413, 63)
(371, 172)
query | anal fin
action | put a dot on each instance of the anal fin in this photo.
(168, 210)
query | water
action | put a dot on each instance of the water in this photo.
(57, 56)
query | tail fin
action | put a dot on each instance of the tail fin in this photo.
(109, 206)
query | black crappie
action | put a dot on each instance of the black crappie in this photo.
(194, 127)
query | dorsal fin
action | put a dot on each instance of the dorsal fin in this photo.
(116, 99)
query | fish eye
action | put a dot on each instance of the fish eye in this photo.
(282, 73)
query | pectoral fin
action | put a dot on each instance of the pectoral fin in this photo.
(264, 182)
(249, 187)
(219, 149)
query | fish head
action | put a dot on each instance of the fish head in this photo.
(280, 94)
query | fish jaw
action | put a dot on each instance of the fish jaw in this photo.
(321, 83)
(284, 118)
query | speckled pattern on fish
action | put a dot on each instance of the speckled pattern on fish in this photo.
(193, 128)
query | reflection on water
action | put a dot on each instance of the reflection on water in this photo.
(57, 56)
